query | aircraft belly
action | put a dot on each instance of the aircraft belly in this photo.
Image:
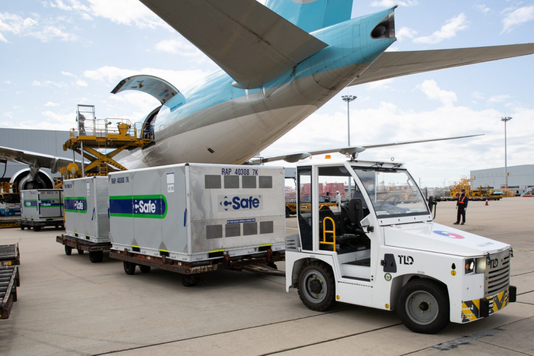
(232, 141)
(238, 129)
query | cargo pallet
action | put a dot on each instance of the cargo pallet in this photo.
(37, 225)
(9, 278)
(95, 249)
(263, 264)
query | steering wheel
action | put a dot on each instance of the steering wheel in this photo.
(395, 199)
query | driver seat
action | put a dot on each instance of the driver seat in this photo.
(352, 232)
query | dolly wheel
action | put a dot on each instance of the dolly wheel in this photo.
(21, 227)
(129, 267)
(189, 281)
(36, 228)
(272, 265)
(144, 269)
(80, 251)
(98, 256)
(68, 250)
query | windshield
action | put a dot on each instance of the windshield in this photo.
(392, 193)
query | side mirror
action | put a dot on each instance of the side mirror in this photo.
(432, 205)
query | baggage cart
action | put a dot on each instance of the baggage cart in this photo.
(197, 218)
(9, 278)
(41, 208)
(86, 217)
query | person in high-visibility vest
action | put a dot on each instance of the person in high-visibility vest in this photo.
(461, 206)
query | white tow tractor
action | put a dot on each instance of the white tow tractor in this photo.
(382, 249)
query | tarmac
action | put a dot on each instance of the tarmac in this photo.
(70, 306)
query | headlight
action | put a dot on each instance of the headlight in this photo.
(470, 266)
(481, 265)
(475, 265)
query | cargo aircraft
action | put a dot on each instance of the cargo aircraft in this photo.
(280, 62)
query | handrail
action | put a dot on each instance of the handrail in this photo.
(333, 232)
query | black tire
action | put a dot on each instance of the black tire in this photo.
(423, 306)
(144, 269)
(129, 267)
(21, 227)
(80, 251)
(68, 250)
(317, 287)
(272, 265)
(287, 213)
(98, 256)
(189, 281)
(36, 228)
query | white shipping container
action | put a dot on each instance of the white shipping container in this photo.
(41, 204)
(196, 212)
(86, 208)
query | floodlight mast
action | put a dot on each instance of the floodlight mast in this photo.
(505, 119)
(348, 99)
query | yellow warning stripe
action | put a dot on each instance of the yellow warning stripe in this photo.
(216, 251)
(266, 245)
(466, 309)
(500, 301)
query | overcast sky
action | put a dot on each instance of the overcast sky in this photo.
(55, 54)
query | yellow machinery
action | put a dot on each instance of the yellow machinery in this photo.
(99, 141)
(465, 183)
(6, 187)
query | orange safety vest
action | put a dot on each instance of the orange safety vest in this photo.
(461, 200)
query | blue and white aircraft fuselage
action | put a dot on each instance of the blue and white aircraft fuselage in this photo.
(280, 62)
(219, 123)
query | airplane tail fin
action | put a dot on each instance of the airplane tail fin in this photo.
(312, 15)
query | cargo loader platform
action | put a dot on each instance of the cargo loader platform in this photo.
(95, 249)
(98, 142)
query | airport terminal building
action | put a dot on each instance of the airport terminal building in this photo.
(518, 177)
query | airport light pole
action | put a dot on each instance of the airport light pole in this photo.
(348, 99)
(505, 119)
